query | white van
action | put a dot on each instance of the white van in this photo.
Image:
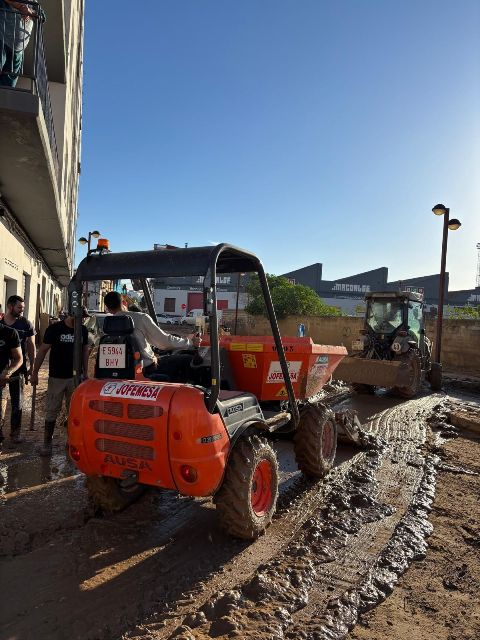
(192, 316)
(197, 314)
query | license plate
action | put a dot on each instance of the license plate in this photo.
(357, 345)
(112, 356)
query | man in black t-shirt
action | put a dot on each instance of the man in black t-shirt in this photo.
(58, 339)
(14, 318)
(10, 360)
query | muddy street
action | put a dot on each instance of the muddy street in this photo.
(163, 569)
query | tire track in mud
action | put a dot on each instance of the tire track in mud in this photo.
(328, 571)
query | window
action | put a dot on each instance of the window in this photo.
(414, 318)
(169, 305)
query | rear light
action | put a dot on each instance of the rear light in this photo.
(177, 435)
(402, 333)
(74, 453)
(189, 474)
(76, 422)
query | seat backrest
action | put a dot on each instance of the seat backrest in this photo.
(118, 354)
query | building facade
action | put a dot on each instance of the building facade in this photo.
(348, 293)
(40, 133)
(178, 296)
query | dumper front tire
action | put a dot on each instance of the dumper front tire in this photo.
(247, 498)
(315, 441)
(108, 496)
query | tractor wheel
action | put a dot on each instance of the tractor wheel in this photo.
(108, 496)
(363, 388)
(413, 388)
(247, 498)
(315, 441)
(435, 376)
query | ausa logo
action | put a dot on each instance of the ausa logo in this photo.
(235, 409)
(130, 463)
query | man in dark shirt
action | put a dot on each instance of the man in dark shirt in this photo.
(10, 360)
(15, 319)
(58, 340)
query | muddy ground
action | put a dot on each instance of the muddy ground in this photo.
(333, 563)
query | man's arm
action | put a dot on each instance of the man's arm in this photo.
(16, 361)
(25, 9)
(160, 339)
(41, 353)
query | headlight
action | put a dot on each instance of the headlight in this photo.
(397, 347)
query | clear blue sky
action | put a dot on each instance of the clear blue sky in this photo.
(304, 130)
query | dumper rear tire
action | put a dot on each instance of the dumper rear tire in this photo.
(315, 441)
(247, 498)
(413, 388)
(108, 496)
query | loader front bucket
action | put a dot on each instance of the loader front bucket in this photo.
(378, 373)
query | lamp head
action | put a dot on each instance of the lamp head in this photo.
(95, 234)
(83, 240)
(439, 209)
(454, 224)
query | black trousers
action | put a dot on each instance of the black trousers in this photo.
(16, 389)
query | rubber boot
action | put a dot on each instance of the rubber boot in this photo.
(46, 450)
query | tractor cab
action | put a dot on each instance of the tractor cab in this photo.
(392, 350)
(391, 316)
(203, 430)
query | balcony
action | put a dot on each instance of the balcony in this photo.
(30, 167)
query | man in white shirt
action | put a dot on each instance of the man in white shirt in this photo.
(147, 333)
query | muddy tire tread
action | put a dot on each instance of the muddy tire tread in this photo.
(308, 441)
(233, 501)
(107, 496)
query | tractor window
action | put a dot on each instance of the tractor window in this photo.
(414, 319)
(384, 317)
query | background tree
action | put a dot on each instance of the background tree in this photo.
(465, 313)
(288, 299)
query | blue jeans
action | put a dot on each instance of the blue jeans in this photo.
(10, 65)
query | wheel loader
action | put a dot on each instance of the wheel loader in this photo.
(207, 433)
(392, 350)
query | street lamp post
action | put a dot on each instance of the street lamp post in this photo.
(452, 224)
(87, 241)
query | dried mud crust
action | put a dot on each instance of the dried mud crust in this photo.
(439, 597)
(149, 571)
(327, 574)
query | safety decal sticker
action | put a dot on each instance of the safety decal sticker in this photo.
(275, 371)
(249, 361)
(131, 390)
(238, 346)
(282, 393)
(322, 360)
(255, 346)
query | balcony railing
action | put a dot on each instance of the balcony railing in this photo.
(22, 49)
